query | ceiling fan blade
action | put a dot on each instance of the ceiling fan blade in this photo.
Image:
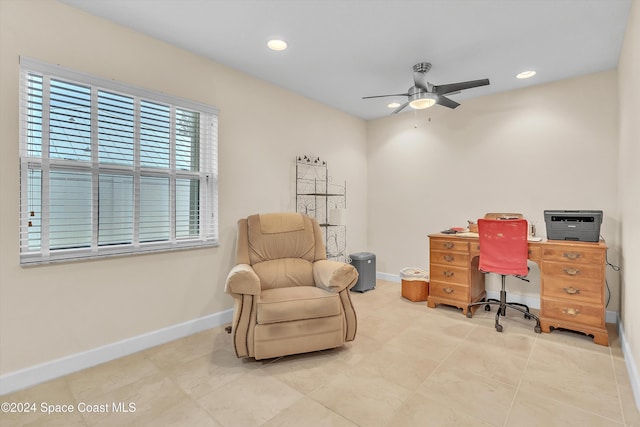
(400, 108)
(383, 96)
(453, 87)
(446, 102)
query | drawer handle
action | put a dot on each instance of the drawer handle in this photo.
(448, 273)
(571, 311)
(571, 290)
(572, 271)
(448, 258)
(447, 245)
(448, 290)
(571, 255)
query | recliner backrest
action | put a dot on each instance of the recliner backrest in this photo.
(281, 247)
(276, 236)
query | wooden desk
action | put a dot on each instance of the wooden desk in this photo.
(572, 281)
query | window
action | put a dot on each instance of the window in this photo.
(110, 169)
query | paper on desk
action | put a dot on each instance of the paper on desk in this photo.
(467, 234)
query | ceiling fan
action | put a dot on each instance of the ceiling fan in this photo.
(424, 94)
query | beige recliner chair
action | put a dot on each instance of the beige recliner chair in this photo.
(289, 298)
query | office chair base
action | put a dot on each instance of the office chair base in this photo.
(527, 315)
(502, 309)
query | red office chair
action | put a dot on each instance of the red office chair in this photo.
(504, 250)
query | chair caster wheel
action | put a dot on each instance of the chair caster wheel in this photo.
(469, 314)
(537, 330)
(487, 307)
(499, 328)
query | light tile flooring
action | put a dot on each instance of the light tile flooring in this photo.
(409, 366)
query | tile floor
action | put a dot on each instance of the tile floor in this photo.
(409, 366)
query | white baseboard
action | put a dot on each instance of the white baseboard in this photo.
(17, 380)
(388, 277)
(632, 369)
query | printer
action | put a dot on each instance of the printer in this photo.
(581, 226)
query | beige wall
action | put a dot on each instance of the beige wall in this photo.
(553, 146)
(54, 311)
(629, 94)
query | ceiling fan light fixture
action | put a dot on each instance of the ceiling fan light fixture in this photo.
(422, 103)
(277, 44)
(420, 99)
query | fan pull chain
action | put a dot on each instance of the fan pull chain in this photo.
(415, 118)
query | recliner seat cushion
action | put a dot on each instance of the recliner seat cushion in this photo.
(296, 303)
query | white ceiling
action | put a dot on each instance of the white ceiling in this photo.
(342, 50)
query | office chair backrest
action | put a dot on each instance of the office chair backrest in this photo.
(503, 246)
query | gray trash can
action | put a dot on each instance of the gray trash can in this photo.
(365, 264)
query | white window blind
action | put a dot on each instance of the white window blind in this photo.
(111, 169)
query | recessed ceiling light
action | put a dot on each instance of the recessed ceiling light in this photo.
(276, 44)
(526, 74)
(394, 105)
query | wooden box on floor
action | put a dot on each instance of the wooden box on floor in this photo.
(415, 290)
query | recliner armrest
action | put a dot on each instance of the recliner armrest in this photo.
(334, 275)
(242, 279)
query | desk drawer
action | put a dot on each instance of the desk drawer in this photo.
(535, 253)
(449, 274)
(449, 245)
(572, 272)
(474, 248)
(573, 255)
(449, 291)
(449, 258)
(573, 312)
(578, 291)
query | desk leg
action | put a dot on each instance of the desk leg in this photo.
(600, 337)
(463, 305)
